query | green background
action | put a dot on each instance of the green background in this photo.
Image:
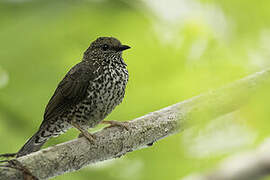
(180, 48)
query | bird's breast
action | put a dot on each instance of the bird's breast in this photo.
(104, 93)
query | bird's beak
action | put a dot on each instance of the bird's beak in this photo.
(123, 47)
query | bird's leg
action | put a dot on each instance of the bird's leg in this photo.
(116, 123)
(84, 133)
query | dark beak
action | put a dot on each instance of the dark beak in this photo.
(123, 47)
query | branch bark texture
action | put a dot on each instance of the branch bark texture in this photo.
(115, 142)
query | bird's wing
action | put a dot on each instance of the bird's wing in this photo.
(70, 91)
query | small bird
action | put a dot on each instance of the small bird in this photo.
(86, 95)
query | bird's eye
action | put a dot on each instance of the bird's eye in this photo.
(105, 47)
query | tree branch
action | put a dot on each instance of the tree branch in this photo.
(115, 142)
(252, 165)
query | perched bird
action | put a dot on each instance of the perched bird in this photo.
(86, 95)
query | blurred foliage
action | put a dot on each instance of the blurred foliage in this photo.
(180, 48)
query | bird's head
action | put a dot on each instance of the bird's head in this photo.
(105, 48)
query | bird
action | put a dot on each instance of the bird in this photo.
(86, 95)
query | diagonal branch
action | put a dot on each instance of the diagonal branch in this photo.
(115, 142)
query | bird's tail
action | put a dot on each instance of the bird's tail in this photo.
(32, 145)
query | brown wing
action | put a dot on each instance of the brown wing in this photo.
(70, 91)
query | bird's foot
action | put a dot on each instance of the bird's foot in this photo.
(116, 123)
(84, 133)
(90, 137)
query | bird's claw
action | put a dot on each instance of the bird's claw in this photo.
(116, 123)
(90, 137)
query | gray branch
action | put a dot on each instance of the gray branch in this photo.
(251, 165)
(115, 142)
